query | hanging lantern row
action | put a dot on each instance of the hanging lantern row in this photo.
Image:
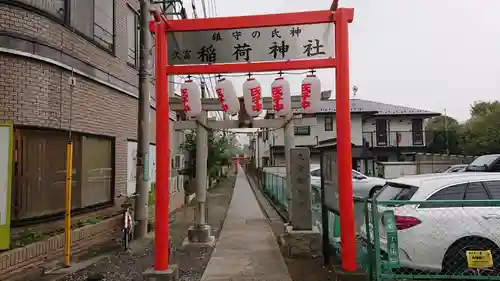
(252, 95)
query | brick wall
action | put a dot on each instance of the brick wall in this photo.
(20, 260)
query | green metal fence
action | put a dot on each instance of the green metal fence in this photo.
(435, 239)
(276, 188)
(412, 240)
(364, 259)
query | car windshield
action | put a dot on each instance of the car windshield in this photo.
(357, 174)
(396, 191)
(483, 161)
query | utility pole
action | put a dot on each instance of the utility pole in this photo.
(143, 126)
(446, 132)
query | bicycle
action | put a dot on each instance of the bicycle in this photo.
(128, 221)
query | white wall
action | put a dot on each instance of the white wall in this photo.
(318, 129)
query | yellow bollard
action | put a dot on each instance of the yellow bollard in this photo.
(67, 217)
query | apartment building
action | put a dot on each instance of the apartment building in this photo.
(70, 65)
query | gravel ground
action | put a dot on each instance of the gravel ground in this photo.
(121, 266)
(300, 268)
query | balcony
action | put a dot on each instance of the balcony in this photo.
(394, 139)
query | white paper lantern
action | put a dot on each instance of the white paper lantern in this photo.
(191, 98)
(310, 94)
(280, 93)
(227, 97)
(252, 93)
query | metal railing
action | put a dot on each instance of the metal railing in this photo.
(425, 240)
(394, 139)
(275, 187)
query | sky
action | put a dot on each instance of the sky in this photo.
(427, 54)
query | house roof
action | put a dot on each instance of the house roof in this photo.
(370, 107)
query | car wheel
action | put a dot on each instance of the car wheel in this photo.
(455, 259)
(374, 190)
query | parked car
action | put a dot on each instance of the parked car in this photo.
(455, 168)
(435, 238)
(485, 163)
(363, 186)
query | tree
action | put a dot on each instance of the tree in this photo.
(484, 108)
(482, 131)
(219, 154)
(442, 133)
(478, 135)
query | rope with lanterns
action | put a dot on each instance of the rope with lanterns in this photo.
(252, 96)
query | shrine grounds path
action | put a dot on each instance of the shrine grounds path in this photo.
(247, 248)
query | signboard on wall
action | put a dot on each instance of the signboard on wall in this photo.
(132, 162)
(6, 140)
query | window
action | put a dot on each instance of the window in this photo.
(417, 131)
(92, 18)
(316, 173)
(39, 188)
(494, 189)
(356, 174)
(476, 191)
(396, 191)
(132, 37)
(104, 23)
(454, 192)
(53, 7)
(97, 171)
(328, 123)
(302, 130)
(95, 19)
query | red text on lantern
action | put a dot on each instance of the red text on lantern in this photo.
(256, 99)
(306, 96)
(185, 99)
(277, 94)
(220, 96)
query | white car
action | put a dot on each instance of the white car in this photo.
(363, 186)
(435, 238)
(456, 168)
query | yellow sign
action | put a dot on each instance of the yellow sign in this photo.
(479, 259)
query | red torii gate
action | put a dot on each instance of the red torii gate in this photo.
(237, 159)
(161, 26)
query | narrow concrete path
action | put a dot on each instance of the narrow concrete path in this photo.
(247, 249)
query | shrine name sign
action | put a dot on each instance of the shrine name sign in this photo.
(310, 41)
